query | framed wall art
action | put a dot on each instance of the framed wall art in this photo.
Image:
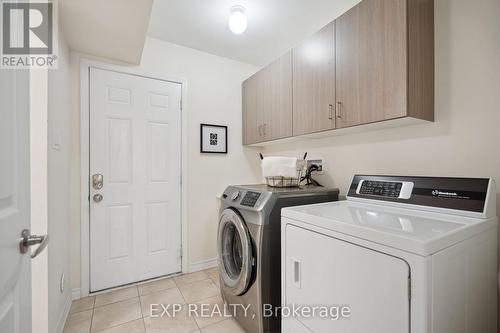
(213, 139)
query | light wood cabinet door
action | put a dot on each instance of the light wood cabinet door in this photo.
(249, 116)
(314, 82)
(371, 62)
(275, 99)
(267, 102)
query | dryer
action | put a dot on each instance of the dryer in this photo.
(249, 248)
(403, 254)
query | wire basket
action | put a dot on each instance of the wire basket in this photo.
(279, 181)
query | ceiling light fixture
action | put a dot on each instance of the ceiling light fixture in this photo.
(238, 20)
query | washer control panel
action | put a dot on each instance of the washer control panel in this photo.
(388, 189)
(250, 199)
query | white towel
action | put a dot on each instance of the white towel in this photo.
(275, 166)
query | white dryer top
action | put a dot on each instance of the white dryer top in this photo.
(415, 231)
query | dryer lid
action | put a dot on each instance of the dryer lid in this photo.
(419, 232)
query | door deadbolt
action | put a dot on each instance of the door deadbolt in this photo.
(97, 198)
(97, 181)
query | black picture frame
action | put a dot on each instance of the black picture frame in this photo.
(202, 144)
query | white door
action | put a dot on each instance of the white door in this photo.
(135, 145)
(321, 270)
(15, 279)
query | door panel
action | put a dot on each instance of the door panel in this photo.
(15, 278)
(275, 98)
(135, 140)
(371, 62)
(314, 83)
(157, 228)
(267, 102)
(327, 271)
(120, 232)
(120, 150)
(249, 99)
(158, 152)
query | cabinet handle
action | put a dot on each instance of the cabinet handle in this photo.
(330, 111)
(260, 131)
(339, 114)
(297, 274)
(265, 129)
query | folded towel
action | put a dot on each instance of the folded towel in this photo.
(275, 166)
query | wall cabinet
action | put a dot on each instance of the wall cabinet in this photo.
(314, 83)
(374, 74)
(267, 102)
(373, 63)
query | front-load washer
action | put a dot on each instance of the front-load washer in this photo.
(400, 255)
(249, 249)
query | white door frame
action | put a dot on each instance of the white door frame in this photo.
(39, 198)
(85, 66)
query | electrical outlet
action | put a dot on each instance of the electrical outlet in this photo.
(57, 141)
(318, 162)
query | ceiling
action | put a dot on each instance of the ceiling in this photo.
(274, 26)
(114, 29)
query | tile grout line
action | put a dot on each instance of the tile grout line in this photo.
(180, 291)
(159, 290)
(114, 326)
(140, 304)
(92, 317)
(121, 300)
(183, 297)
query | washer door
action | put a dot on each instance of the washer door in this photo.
(235, 252)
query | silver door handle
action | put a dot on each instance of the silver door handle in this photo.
(29, 240)
(97, 181)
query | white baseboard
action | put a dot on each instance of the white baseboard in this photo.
(75, 294)
(64, 315)
(201, 265)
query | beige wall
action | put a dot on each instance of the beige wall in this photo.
(465, 138)
(214, 96)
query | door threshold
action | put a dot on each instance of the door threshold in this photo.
(123, 286)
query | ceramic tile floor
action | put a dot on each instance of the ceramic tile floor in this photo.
(126, 310)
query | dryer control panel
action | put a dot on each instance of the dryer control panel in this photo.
(469, 196)
(250, 199)
(388, 189)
